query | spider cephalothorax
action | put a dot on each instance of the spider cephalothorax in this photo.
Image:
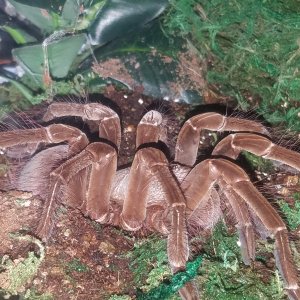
(167, 197)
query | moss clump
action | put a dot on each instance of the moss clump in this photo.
(167, 290)
(291, 214)
(222, 283)
(77, 266)
(253, 47)
(16, 274)
(149, 262)
(225, 277)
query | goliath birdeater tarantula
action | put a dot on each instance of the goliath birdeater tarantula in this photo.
(166, 197)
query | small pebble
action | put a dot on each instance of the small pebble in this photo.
(67, 232)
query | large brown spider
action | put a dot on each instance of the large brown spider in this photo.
(166, 197)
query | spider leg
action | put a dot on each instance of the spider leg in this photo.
(211, 171)
(55, 133)
(109, 122)
(244, 223)
(100, 161)
(45, 161)
(189, 135)
(148, 131)
(232, 145)
(95, 165)
(151, 164)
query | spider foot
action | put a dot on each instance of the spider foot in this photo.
(130, 224)
(189, 291)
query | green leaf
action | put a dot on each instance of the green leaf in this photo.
(61, 54)
(15, 34)
(118, 17)
(20, 36)
(70, 12)
(52, 4)
(23, 89)
(42, 18)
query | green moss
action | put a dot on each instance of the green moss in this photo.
(149, 257)
(76, 265)
(291, 214)
(224, 276)
(222, 283)
(33, 295)
(254, 49)
(152, 273)
(156, 276)
(223, 246)
(258, 163)
(116, 297)
(18, 272)
(165, 290)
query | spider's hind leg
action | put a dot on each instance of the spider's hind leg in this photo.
(244, 223)
(203, 177)
(232, 145)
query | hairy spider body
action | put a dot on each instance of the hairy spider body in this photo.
(162, 196)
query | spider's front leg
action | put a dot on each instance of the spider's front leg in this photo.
(150, 164)
(202, 178)
(87, 176)
(52, 134)
(99, 160)
(108, 120)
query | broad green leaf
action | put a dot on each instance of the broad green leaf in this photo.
(61, 54)
(40, 17)
(91, 10)
(49, 5)
(118, 17)
(71, 11)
